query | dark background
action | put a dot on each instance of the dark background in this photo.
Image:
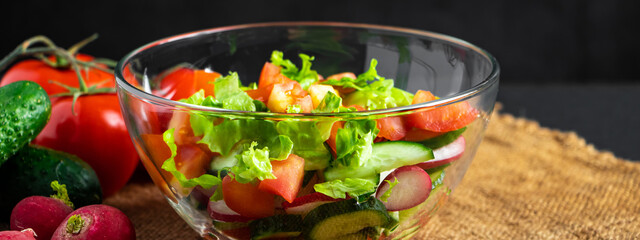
(569, 64)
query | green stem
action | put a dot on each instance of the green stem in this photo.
(75, 224)
(76, 47)
(61, 193)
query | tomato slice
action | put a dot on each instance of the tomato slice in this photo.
(441, 119)
(289, 174)
(418, 135)
(246, 199)
(286, 94)
(184, 82)
(332, 137)
(392, 128)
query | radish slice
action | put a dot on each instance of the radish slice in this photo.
(446, 154)
(413, 188)
(219, 210)
(304, 204)
(202, 195)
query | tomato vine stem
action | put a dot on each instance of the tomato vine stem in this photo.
(64, 58)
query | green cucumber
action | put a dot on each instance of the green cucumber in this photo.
(385, 156)
(24, 111)
(437, 175)
(277, 226)
(32, 169)
(341, 219)
(444, 139)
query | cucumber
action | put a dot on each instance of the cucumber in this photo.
(31, 171)
(444, 139)
(342, 219)
(437, 175)
(277, 226)
(385, 156)
(24, 111)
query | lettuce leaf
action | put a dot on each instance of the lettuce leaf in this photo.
(253, 164)
(354, 143)
(331, 102)
(361, 80)
(223, 137)
(339, 188)
(206, 180)
(308, 139)
(305, 76)
(385, 196)
(229, 93)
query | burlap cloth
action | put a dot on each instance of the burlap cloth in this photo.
(526, 182)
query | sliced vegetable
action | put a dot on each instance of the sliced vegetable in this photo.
(392, 128)
(338, 219)
(411, 186)
(218, 210)
(442, 119)
(278, 226)
(446, 154)
(288, 178)
(246, 199)
(304, 204)
(385, 156)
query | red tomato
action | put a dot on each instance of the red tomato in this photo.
(246, 199)
(184, 82)
(392, 128)
(287, 92)
(289, 174)
(332, 137)
(96, 133)
(418, 134)
(41, 73)
(442, 119)
(339, 76)
(283, 95)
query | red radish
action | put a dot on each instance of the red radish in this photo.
(202, 195)
(27, 234)
(95, 222)
(306, 203)
(42, 214)
(445, 154)
(219, 210)
(412, 186)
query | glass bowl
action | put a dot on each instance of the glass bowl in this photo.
(187, 160)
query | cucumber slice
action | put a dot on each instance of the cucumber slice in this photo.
(277, 226)
(344, 218)
(437, 175)
(444, 139)
(385, 156)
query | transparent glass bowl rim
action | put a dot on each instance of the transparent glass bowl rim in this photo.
(478, 89)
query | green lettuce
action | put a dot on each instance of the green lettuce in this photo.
(253, 164)
(308, 139)
(385, 196)
(229, 93)
(206, 180)
(305, 76)
(340, 188)
(330, 103)
(354, 143)
(223, 137)
(361, 80)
